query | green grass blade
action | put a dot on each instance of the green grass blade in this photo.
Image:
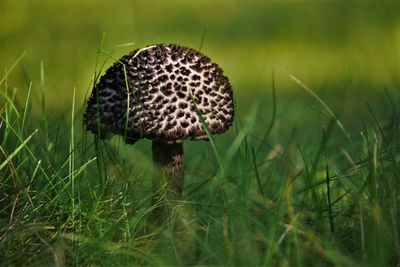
(328, 182)
(11, 101)
(17, 150)
(72, 157)
(211, 139)
(273, 117)
(260, 187)
(323, 104)
(26, 107)
(11, 68)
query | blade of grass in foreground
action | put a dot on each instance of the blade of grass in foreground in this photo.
(322, 103)
(11, 103)
(44, 109)
(26, 107)
(7, 109)
(73, 175)
(72, 158)
(242, 135)
(273, 117)
(328, 185)
(11, 68)
(205, 127)
(16, 151)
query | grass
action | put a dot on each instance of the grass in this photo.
(266, 194)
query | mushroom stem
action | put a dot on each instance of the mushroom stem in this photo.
(168, 171)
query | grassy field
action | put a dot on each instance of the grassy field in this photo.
(308, 175)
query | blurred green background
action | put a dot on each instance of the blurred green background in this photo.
(347, 51)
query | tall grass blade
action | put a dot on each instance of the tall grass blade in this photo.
(323, 104)
(273, 117)
(17, 150)
(377, 124)
(26, 107)
(11, 103)
(260, 187)
(44, 109)
(328, 186)
(203, 37)
(72, 157)
(211, 139)
(11, 68)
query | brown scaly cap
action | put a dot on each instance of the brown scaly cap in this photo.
(163, 81)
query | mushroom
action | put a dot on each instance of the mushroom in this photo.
(162, 92)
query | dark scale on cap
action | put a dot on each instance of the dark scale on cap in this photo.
(163, 81)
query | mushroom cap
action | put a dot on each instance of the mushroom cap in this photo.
(157, 93)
